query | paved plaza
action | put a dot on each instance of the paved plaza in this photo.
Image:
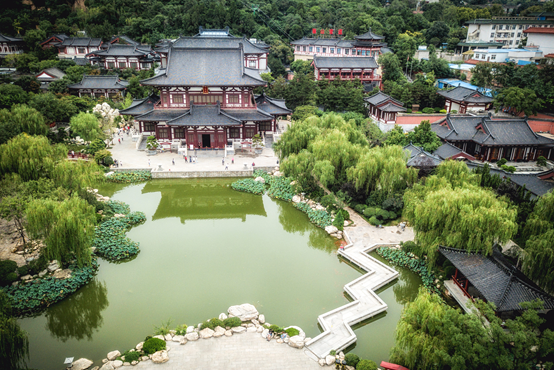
(247, 351)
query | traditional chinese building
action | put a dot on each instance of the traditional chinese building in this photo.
(275, 107)
(255, 55)
(206, 98)
(462, 100)
(383, 108)
(48, 75)
(10, 45)
(490, 139)
(99, 86)
(449, 151)
(363, 69)
(366, 45)
(53, 40)
(122, 56)
(77, 47)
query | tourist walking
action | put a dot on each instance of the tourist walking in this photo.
(253, 164)
(223, 161)
(149, 163)
(190, 159)
(185, 157)
(173, 162)
(232, 160)
(119, 140)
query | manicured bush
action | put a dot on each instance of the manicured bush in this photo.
(181, 330)
(212, 323)
(232, 322)
(506, 168)
(454, 111)
(7, 267)
(428, 110)
(131, 356)
(249, 186)
(276, 329)
(370, 212)
(129, 176)
(541, 161)
(501, 162)
(23, 270)
(374, 221)
(291, 332)
(338, 221)
(382, 214)
(392, 215)
(443, 111)
(327, 200)
(366, 365)
(409, 110)
(345, 214)
(437, 110)
(153, 345)
(352, 359)
(359, 208)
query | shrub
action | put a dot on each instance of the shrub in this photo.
(437, 110)
(394, 203)
(338, 221)
(345, 214)
(359, 208)
(501, 162)
(541, 161)
(374, 221)
(419, 112)
(153, 345)
(181, 330)
(370, 212)
(382, 214)
(131, 356)
(332, 352)
(212, 323)
(23, 270)
(291, 332)
(443, 111)
(164, 328)
(352, 359)
(276, 329)
(506, 168)
(38, 265)
(449, 271)
(327, 200)
(366, 365)
(454, 111)
(232, 322)
(7, 267)
(392, 215)
(428, 110)
(409, 110)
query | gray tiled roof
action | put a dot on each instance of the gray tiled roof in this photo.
(123, 50)
(448, 150)
(218, 43)
(161, 115)
(100, 82)
(4, 38)
(249, 114)
(141, 106)
(379, 98)
(369, 35)
(494, 131)
(272, 106)
(60, 36)
(345, 62)
(460, 93)
(206, 67)
(125, 39)
(81, 41)
(81, 61)
(205, 115)
(385, 50)
(390, 107)
(498, 282)
(58, 73)
(418, 157)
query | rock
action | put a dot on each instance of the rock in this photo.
(260, 179)
(277, 174)
(249, 325)
(159, 337)
(96, 368)
(26, 277)
(306, 340)
(279, 341)
(222, 316)
(293, 183)
(145, 358)
(104, 360)
(139, 347)
(190, 329)
(239, 329)
(252, 329)
(260, 329)
(168, 337)
(296, 199)
(107, 366)
(127, 364)
(276, 168)
(117, 363)
(331, 229)
(264, 333)
(206, 333)
(177, 338)
(53, 266)
(173, 332)
(228, 333)
(218, 331)
(43, 272)
(134, 363)
(183, 341)
(301, 334)
(261, 319)
(330, 360)
(341, 356)
(255, 322)
(322, 362)
(345, 223)
(113, 355)
(192, 336)
(160, 357)
(350, 367)
(81, 364)
(245, 312)
(320, 208)
(15, 283)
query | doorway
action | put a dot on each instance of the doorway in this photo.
(205, 140)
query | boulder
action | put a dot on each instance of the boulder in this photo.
(107, 366)
(104, 360)
(276, 168)
(145, 358)
(139, 346)
(53, 266)
(96, 368)
(183, 341)
(239, 329)
(160, 357)
(341, 356)
(62, 274)
(117, 363)
(219, 331)
(127, 364)
(206, 333)
(43, 272)
(245, 312)
(190, 329)
(177, 338)
(279, 341)
(296, 199)
(192, 336)
(260, 329)
(264, 333)
(320, 208)
(159, 337)
(222, 316)
(26, 277)
(252, 329)
(322, 362)
(111, 356)
(345, 223)
(134, 363)
(277, 174)
(330, 360)
(301, 331)
(260, 179)
(261, 319)
(228, 333)
(331, 229)
(255, 322)
(81, 364)
(168, 337)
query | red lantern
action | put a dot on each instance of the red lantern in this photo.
(314, 31)
(340, 32)
(331, 31)
(321, 32)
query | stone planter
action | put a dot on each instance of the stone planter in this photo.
(151, 152)
(258, 150)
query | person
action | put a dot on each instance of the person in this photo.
(72, 154)
(269, 336)
(190, 159)
(226, 167)
(119, 140)
(277, 162)
(173, 162)
(149, 163)
(253, 164)
(116, 162)
(223, 161)
(403, 224)
(232, 160)
(185, 158)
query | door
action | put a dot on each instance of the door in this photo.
(205, 140)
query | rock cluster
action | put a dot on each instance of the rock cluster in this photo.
(99, 197)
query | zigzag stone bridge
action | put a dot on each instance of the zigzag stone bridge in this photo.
(363, 238)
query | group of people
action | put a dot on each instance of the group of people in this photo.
(271, 335)
(192, 159)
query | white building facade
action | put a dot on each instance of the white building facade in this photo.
(541, 38)
(506, 30)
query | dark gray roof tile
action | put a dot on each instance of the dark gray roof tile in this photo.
(463, 94)
(345, 62)
(218, 43)
(100, 82)
(141, 106)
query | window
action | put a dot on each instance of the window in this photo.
(179, 133)
(111, 65)
(122, 65)
(513, 27)
(149, 126)
(358, 51)
(177, 99)
(205, 99)
(493, 57)
(310, 49)
(520, 27)
(233, 99)
(164, 99)
(346, 51)
(493, 27)
(332, 50)
(163, 133)
(317, 49)
(477, 56)
(298, 48)
(133, 65)
(249, 132)
(511, 42)
(512, 34)
(145, 65)
(234, 133)
(252, 63)
(483, 56)
(354, 51)
(518, 34)
(81, 50)
(324, 50)
(338, 50)
(98, 94)
(304, 48)
(492, 35)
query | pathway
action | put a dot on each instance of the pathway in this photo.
(248, 351)
(363, 238)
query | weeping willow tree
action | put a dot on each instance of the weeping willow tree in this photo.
(14, 344)
(297, 137)
(382, 168)
(32, 157)
(537, 262)
(67, 228)
(76, 175)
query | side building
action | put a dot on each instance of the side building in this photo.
(99, 86)
(10, 45)
(122, 56)
(333, 68)
(506, 30)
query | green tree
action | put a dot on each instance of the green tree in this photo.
(21, 119)
(135, 89)
(52, 108)
(28, 83)
(482, 75)
(67, 228)
(11, 95)
(424, 137)
(86, 125)
(391, 67)
(14, 343)
(518, 100)
(396, 136)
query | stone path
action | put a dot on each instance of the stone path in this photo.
(362, 238)
(247, 351)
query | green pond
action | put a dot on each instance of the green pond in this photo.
(205, 247)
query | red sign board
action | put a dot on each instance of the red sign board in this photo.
(314, 31)
(331, 31)
(321, 32)
(340, 32)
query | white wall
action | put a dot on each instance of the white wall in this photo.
(543, 40)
